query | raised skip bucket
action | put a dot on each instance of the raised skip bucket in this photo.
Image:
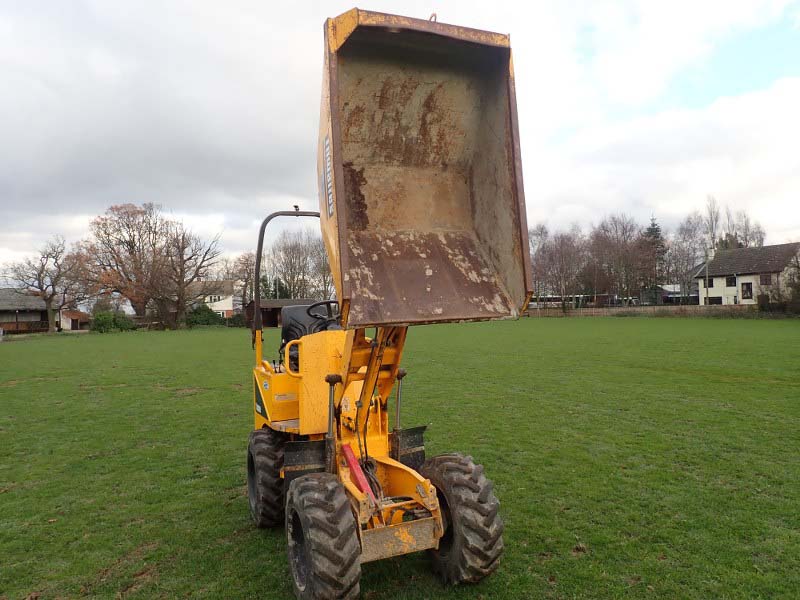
(421, 197)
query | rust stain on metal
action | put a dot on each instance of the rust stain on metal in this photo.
(400, 538)
(354, 120)
(432, 130)
(419, 277)
(454, 31)
(412, 125)
(354, 179)
(393, 95)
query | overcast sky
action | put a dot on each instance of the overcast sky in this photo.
(211, 109)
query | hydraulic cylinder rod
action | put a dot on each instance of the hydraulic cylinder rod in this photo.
(330, 439)
(400, 374)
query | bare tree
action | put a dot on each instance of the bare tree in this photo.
(55, 275)
(136, 252)
(320, 268)
(126, 252)
(596, 273)
(244, 272)
(537, 235)
(744, 228)
(562, 257)
(729, 228)
(290, 259)
(271, 286)
(224, 269)
(537, 238)
(759, 236)
(711, 220)
(615, 240)
(686, 251)
(187, 262)
(296, 266)
(738, 231)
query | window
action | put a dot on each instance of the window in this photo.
(747, 291)
(713, 300)
(730, 281)
(766, 279)
(221, 313)
(710, 282)
(214, 298)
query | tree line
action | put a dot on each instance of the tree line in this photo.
(137, 255)
(134, 253)
(619, 259)
(295, 265)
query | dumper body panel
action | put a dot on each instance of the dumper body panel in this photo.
(419, 173)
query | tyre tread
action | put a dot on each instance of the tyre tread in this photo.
(335, 550)
(267, 447)
(478, 542)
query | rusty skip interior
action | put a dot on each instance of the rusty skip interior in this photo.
(432, 227)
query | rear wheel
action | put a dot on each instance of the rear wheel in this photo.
(472, 543)
(323, 548)
(264, 484)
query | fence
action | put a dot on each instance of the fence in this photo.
(12, 327)
(732, 310)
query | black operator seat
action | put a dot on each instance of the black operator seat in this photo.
(296, 322)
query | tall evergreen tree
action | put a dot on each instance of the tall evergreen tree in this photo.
(654, 255)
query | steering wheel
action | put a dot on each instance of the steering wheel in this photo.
(333, 313)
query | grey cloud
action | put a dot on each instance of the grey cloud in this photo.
(211, 108)
(107, 109)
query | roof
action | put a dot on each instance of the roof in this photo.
(740, 261)
(281, 302)
(76, 314)
(223, 287)
(13, 299)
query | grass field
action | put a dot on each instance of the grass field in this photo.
(632, 458)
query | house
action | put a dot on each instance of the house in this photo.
(741, 275)
(271, 309)
(217, 295)
(21, 312)
(74, 320)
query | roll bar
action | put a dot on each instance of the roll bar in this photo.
(257, 323)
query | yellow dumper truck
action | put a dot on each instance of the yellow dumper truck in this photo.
(423, 217)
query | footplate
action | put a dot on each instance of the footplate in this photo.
(397, 539)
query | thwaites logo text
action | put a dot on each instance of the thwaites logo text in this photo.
(328, 175)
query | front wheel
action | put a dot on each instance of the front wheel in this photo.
(323, 548)
(472, 543)
(264, 482)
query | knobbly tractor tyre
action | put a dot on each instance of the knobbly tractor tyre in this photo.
(323, 548)
(472, 543)
(264, 484)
